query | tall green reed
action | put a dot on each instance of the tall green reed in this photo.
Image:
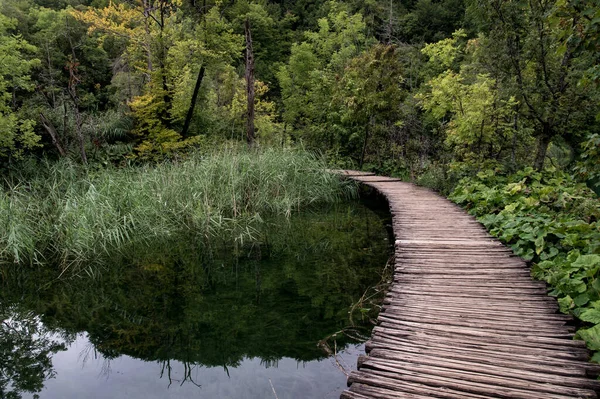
(72, 217)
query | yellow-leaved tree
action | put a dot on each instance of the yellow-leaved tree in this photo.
(171, 53)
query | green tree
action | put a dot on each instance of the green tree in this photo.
(478, 116)
(525, 53)
(17, 133)
(308, 79)
(369, 95)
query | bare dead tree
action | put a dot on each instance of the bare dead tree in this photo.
(53, 134)
(74, 80)
(190, 112)
(250, 130)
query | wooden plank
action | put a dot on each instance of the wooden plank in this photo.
(500, 287)
(467, 278)
(493, 325)
(475, 303)
(397, 381)
(449, 243)
(450, 378)
(474, 295)
(493, 314)
(502, 344)
(573, 359)
(562, 340)
(494, 370)
(514, 361)
(477, 330)
(491, 319)
(404, 278)
(411, 389)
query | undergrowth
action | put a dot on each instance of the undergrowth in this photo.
(71, 217)
(553, 221)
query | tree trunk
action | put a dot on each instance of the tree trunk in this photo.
(542, 148)
(513, 153)
(190, 112)
(364, 149)
(78, 120)
(80, 137)
(52, 132)
(74, 80)
(65, 122)
(165, 114)
(390, 27)
(250, 133)
(50, 74)
(147, 39)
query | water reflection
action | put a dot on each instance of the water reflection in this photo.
(178, 318)
(26, 349)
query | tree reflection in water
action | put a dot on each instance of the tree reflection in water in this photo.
(201, 306)
(26, 349)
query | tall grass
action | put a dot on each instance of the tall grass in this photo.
(71, 216)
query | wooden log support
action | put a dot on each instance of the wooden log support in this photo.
(463, 318)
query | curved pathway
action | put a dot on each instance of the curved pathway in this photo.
(463, 318)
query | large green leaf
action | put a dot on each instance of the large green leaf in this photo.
(591, 314)
(591, 336)
(587, 262)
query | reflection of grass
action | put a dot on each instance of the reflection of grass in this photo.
(215, 306)
(362, 313)
(73, 215)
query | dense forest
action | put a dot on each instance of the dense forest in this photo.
(493, 102)
(415, 88)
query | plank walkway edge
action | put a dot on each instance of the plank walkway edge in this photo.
(463, 319)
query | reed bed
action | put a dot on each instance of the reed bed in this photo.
(72, 217)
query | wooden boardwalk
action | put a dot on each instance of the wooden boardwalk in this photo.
(463, 319)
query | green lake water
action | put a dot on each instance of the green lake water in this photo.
(179, 320)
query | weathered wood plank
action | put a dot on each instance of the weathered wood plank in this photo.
(423, 314)
(478, 383)
(508, 344)
(413, 391)
(491, 314)
(451, 363)
(550, 337)
(473, 303)
(514, 361)
(398, 382)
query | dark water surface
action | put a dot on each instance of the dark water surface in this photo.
(179, 320)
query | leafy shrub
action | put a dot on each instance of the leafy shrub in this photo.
(551, 220)
(589, 165)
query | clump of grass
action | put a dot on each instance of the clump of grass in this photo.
(72, 216)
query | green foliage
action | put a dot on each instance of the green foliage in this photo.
(342, 95)
(307, 81)
(525, 50)
(446, 52)
(16, 133)
(157, 141)
(368, 97)
(577, 23)
(551, 220)
(429, 20)
(588, 167)
(478, 117)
